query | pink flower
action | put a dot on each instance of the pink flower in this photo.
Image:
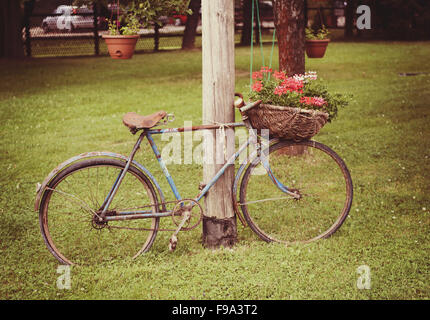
(306, 100)
(292, 84)
(257, 86)
(279, 90)
(266, 70)
(313, 101)
(257, 75)
(318, 101)
(279, 75)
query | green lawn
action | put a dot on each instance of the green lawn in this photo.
(53, 109)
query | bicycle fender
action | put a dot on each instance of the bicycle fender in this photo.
(42, 187)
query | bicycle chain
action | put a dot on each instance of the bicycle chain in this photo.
(163, 204)
(150, 229)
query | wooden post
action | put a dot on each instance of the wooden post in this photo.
(349, 19)
(27, 32)
(219, 221)
(245, 39)
(156, 37)
(257, 20)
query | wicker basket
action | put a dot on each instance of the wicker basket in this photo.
(287, 122)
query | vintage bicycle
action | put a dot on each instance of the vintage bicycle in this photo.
(100, 206)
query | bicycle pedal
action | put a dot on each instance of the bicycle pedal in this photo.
(172, 243)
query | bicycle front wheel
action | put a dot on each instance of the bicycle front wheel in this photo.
(311, 170)
(71, 204)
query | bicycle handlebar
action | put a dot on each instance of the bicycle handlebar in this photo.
(250, 106)
(240, 103)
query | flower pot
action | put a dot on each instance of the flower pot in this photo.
(316, 48)
(121, 47)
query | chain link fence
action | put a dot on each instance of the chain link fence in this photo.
(72, 31)
(68, 31)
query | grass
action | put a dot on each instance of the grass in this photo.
(53, 109)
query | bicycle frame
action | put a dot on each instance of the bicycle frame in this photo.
(139, 214)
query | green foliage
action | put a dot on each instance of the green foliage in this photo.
(132, 25)
(335, 101)
(318, 34)
(135, 14)
(301, 91)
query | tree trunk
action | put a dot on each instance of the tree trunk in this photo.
(245, 39)
(219, 221)
(188, 41)
(11, 45)
(290, 29)
(349, 19)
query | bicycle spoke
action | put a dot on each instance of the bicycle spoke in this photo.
(264, 200)
(70, 216)
(80, 202)
(323, 186)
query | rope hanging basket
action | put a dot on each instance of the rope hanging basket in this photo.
(287, 122)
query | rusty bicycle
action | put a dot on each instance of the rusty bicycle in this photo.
(100, 206)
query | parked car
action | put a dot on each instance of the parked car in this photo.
(265, 8)
(176, 20)
(69, 18)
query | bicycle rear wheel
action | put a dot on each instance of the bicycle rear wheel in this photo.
(67, 213)
(320, 178)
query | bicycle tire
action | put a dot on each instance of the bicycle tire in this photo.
(66, 229)
(311, 171)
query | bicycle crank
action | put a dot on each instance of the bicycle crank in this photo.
(190, 214)
(174, 239)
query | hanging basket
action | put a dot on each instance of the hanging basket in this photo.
(121, 47)
(287, 122)
(316, 48)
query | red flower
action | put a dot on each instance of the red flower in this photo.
(266, 70)
(280, 90)
(257, 75)
(313, 101)
(257, 86)
(306, 100)
(279, 75)
(318, 101)
(293, 84)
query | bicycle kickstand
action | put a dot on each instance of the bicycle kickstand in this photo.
(174, 239)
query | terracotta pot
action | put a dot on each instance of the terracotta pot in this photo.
(316, 48)
(121, 47)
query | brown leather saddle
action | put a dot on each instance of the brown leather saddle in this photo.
(136, 121)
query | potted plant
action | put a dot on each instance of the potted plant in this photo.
(316, 42)
(121, 40)
(294, 108)
(131, 15)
